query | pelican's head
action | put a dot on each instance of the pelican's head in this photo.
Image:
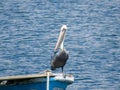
(60, 41)
(64, 27)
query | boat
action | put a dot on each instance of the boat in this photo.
(41, 81)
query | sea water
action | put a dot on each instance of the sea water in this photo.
(29, 30)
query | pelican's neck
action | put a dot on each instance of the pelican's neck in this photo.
(62, 45)
(60, 42)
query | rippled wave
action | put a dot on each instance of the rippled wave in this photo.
(29, 31)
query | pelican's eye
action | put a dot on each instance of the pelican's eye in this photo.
(63, 30)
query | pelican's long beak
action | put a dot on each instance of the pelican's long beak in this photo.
(60, 41)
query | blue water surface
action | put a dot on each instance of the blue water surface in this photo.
(29, 30)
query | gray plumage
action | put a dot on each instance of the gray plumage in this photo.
(59, 60)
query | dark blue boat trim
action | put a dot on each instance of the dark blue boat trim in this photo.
(56, 82)
(37, 85)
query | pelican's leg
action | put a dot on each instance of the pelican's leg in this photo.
(62, 69)
(64, 75)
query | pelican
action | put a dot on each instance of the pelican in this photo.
(60, 56)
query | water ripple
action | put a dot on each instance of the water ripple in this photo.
(29, 31)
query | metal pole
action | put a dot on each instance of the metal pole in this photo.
(48, 80)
